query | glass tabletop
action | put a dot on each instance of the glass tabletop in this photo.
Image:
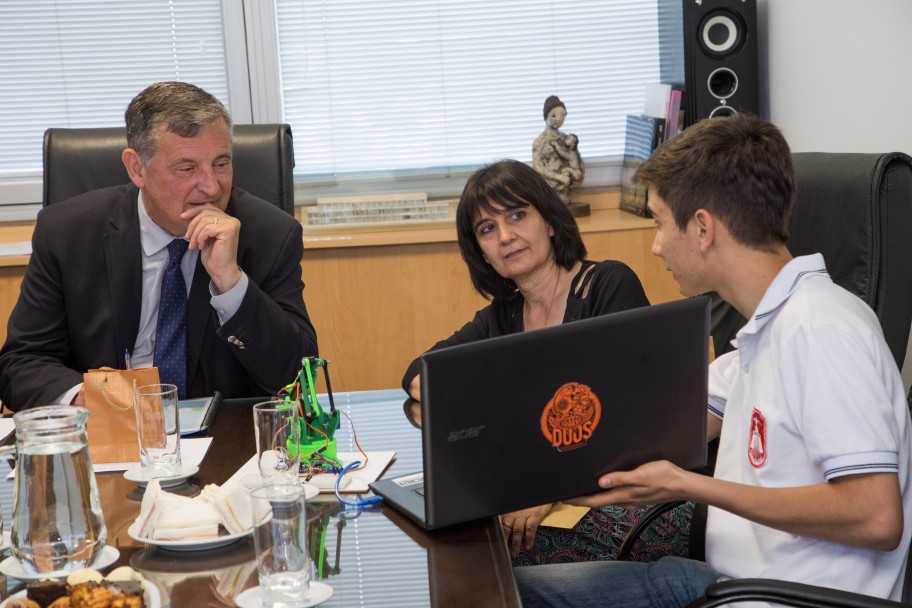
(370, 557)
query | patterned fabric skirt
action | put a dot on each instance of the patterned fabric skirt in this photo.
(599, 534)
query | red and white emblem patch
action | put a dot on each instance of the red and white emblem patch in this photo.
(756, 445)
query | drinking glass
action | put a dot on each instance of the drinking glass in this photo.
(158, 428)
(278, 442)
(280, 541)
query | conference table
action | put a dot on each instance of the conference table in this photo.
(370, 557)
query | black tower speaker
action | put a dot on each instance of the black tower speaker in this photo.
(720, 55)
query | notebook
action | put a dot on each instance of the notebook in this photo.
(536, 417)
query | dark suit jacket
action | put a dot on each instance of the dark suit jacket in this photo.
(80, 300)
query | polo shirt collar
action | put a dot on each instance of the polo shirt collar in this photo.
(780, 290)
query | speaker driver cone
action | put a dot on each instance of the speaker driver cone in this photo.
(722, 111)
(721, 33)
(722, 83)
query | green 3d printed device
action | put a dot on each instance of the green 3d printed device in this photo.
(317, 426)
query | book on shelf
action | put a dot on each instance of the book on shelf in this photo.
(642, 135)
(655, 99)
(674, 114)
(664, 101)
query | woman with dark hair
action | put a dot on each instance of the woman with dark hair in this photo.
(524, 252)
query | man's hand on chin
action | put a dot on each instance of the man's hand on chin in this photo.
(215, 234)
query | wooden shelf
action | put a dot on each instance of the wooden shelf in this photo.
(444, 231)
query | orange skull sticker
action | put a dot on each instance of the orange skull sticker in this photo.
(571, 416)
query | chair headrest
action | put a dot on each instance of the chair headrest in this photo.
(80, 160)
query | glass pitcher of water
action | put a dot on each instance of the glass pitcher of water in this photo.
(57, 522)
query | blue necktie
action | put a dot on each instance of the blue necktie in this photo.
(170, 354)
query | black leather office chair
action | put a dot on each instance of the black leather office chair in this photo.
(856, 210)
(79, 160)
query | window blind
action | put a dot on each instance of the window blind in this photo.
(69, 63)
(406, 87)
(400, 89)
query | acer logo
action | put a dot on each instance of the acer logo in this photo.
(469, 433)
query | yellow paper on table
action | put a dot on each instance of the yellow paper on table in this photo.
(563, 515)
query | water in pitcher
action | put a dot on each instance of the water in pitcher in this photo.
(57, 523)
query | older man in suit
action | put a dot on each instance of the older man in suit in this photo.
(233, 317)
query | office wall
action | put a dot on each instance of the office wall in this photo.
(834, 73)
(834, 77)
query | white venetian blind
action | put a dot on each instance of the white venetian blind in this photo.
(69, 63)
(408, 86)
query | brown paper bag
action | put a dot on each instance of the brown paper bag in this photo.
(111, 428)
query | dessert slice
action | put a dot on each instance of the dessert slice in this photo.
(46, 591)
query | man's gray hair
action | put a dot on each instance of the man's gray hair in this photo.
(185, 110)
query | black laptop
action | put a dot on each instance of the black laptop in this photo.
(537, 417)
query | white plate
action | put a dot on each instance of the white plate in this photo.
(250, 598)
(310, 491)
(137, 476)
(188, 545)
(150, 594)
(11, 566)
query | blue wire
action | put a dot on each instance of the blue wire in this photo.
(373, 500)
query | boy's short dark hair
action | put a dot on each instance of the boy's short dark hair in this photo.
(511, 184)
(737, 167)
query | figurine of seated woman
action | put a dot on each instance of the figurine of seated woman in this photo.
(555, 155)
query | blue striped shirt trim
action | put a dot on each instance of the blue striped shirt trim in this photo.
(801, 274)
(797, 280)
(715, 411)
(881, 466)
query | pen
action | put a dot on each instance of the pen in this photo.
(127, 358)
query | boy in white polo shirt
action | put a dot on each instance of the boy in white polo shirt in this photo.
(812, 479)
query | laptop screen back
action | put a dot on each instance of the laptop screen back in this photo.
(532, 418)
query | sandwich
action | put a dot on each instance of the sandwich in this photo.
(184, 518)
(150, 510)
(203, 532)
(166, 516)
(232, 504)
